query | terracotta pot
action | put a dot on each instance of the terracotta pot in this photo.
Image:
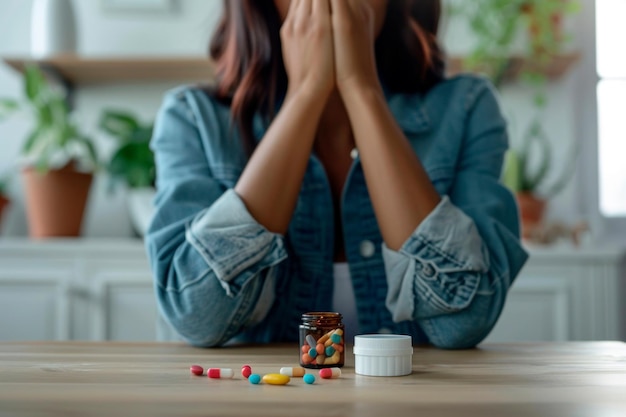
(4, 202)
(56, 201)
(532, 210)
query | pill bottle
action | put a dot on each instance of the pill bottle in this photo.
(321, 340)
(383, 354)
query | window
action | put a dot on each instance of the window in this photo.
(611, 90)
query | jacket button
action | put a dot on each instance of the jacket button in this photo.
(428, 271)
(367, 249)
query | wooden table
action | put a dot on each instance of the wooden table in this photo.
(92, 379)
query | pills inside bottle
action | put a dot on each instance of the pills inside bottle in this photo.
(321, 340)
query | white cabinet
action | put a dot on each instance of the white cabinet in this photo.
(85, 289)
(566, 294)
(101, 289)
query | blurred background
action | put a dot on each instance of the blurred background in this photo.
(82, 80)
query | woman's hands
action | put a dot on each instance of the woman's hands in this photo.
(307, 43)
(353, 40)
(323, 50)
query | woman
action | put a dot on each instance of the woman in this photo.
(332, 144)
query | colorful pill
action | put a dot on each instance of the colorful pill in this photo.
(330, 373)
(305, 348)
(306, 358)
(276, 379)
(310, 340)
(332, 360)
(246, 371)
(320, 348)
(320, 358)
(293, 372)
(336, 338)
(254, 378)
(220, 373)
(339, 332)
(330, 351)
(309, 378)
(196, 370)
(324, 338)
(313, 353)
(338, 347)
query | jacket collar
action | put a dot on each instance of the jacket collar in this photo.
(409, 111)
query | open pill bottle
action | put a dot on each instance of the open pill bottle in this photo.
(383, 354)
(321, 340)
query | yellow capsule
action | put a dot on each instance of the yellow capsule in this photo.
(276, 379)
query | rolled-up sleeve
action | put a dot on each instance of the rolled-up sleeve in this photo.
(213, 264)
(454, 271)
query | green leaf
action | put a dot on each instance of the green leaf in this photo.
(119, 124)
(536, 134)
(7, 107)
(35, 82)
(511, 175)
(133, 164)
(31, 140)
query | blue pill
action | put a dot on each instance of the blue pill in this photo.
(254, 379)
(335, 338)
(330, 350)
(309, 378)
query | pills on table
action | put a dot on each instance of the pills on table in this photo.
(293, 372)
(246, 371)
(254, 378)
(330, 373)
(220, 373)
(309, 378)
(276, 379)
(196, 370)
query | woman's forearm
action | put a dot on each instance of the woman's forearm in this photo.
(401, 192)
(271, 181)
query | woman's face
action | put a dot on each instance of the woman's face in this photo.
(379, 8)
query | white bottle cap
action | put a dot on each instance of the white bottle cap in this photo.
(383, 354)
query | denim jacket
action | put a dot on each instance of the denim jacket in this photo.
(220, 276)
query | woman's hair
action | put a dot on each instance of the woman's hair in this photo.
(251, 75)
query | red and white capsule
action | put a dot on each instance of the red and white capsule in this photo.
(220, 373)
(330, 373)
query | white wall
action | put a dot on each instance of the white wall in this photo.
(186, 32)
(183, 32)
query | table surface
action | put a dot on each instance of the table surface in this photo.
(153, 379)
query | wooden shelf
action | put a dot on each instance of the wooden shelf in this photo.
(554, 69)
(77, 71)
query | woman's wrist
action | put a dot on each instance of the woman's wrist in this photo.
(360, 92)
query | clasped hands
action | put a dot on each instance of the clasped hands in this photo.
(328, 45)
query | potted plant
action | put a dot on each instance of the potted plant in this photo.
(132, 163)
(530, 182)
(59, 160)
(495, 25)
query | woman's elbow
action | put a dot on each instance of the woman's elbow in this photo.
(464, 329)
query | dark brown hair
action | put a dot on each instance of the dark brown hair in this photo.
(250, 71)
